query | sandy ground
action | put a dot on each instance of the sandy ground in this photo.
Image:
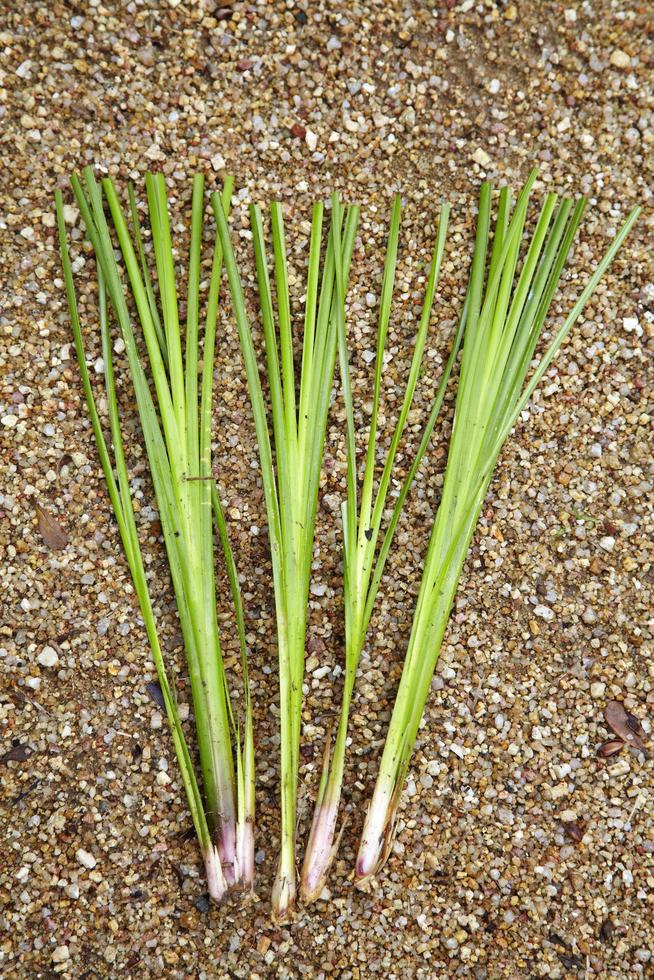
(519, 853)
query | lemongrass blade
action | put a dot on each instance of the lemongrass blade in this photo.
(140, 250)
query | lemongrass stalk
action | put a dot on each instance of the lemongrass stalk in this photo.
(363, 567)
(290, 482)
(177, 435)
(501, 334)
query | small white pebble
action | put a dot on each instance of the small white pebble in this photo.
(597, 689)
(570, 15)
(620, 59)
(620, 768)
(481, 157)
(60, 954)
(494, 86)
(218, 162)
(48, 657)
(607, 543)
(85, 858)
(544, 612)
(156, 720)
(311, 139)
(631, 325)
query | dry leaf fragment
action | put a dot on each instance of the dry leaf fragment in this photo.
(625, 725)
(635, 725)
(53, 534)
(155, 692)
(575, 831)
(17, 753)
(607, 749)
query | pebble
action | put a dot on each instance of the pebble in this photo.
(85, 858)
(48, 657)
(481, 157)
(61, 954)
(597, 689)
(620, 59)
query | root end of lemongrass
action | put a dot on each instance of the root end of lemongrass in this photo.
(245, 857)
(283, 899)
(320, 853)
(216, 882)
(379, 827)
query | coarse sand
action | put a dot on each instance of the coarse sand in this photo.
(519, 853)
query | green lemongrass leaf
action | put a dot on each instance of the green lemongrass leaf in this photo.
(350, 507)
(310, 314)
(193, 326)
(412, 380)
(388, 284)
(285, 331)
(155, 186)
(314, 423)
(254, 386)
(140, 250)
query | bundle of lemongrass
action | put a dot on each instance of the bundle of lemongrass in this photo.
(507, 302)
(176, 426)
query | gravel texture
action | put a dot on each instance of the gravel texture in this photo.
(519, 852)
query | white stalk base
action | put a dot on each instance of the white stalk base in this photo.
(216, 882)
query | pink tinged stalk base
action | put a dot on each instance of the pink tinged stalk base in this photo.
(216, 882)
(283, 895)
(377, 834)
(228, 853)
(321, 850)
(245, 855)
